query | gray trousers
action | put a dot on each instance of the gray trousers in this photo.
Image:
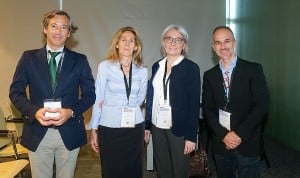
(168, 154)
(53, 149)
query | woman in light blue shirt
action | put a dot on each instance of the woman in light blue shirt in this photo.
(121, 87)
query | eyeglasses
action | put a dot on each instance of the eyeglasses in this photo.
(171, 40)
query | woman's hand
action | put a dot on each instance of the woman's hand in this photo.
(147, 136)
(94, 141)
(189, 147)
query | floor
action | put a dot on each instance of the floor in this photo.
(88, 166)
(285, 163)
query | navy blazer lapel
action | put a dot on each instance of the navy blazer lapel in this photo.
(66, 68)
(43, 69)
(237, 72)
(218, 86)
(42, 64)
(219, 77)
(67, 63)
(238, 79)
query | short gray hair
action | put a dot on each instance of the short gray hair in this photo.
(184, 34)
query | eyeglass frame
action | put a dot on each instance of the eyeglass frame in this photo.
(171, 40)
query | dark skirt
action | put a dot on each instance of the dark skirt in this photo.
(121, 151)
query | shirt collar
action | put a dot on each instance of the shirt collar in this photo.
(59, 50)
(232, 65)
(176, 62)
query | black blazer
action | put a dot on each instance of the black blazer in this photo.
(249, 100)
(184, 91)
(75, 87)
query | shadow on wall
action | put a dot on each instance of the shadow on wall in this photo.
(72, 42)
(215, 57)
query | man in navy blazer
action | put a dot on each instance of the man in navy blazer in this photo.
(53, 133)
(235, 103)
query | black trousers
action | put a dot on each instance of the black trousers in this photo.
(121, 151)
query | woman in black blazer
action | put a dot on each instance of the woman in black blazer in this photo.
(172, 108)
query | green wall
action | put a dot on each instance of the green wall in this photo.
(268, 32)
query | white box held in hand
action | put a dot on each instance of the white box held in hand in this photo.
(52, 104)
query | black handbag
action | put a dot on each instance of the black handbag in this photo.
(198, 163)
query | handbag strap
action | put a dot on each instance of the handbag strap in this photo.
(201, 129)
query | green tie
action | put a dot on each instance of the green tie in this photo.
(52, 68)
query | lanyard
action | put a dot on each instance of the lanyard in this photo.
(60, 63)
(127, 84)
(227, 88)
(165, 83)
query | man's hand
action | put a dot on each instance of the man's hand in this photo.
(232, 140)
(40, 117)
(64, 116)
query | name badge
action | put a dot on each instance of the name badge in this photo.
(52, 104)
(224, 119)
(164, 119)
(128, 117)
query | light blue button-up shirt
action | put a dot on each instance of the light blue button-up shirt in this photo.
(230, 70)
(110, 89)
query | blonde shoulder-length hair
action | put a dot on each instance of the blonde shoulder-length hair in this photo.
(113, 51)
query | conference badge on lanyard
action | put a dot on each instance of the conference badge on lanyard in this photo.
(164, 119)
(224, 119)
(128, 117)
(224, 115)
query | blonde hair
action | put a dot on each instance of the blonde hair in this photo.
(113, 51)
